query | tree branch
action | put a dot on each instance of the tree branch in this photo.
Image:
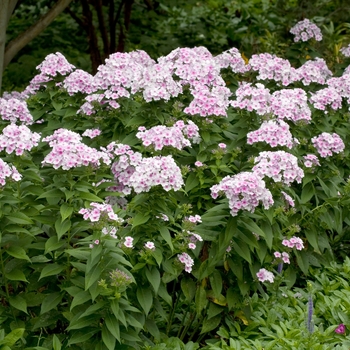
(102, 26)
(11, 7)
(15, 45)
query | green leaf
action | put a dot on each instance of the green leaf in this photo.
(81, 336)
(55, 193)
(13, 337)
(113, 326)
(50, 270)
(139, 219)
(89, 196)
(17, 252)
(19, 218)
(188, 287)
(80, 298)
(53, 244)
(145, 298)
(18, 303)
(50, 302)
(82, 322)
(153, 277)
(93, 275)
(66, 211)
(62, 227)
(56, 344)
(307, 193)
(243, 250)
(216, 283)
(16, 275)
(167, 237)
(210, 324)
(191, 182)
(201, 299)
(107, 338)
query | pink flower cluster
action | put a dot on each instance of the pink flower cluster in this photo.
(209, 101)
(187, 260)
(92, 133)
(294, 242)
(341, 85)
(18, 139)
(233, 59)
(253, 98)
(94, 214)
(264, 275)
(79, 81)
(128, 242)
(274, 133)
(156, 171)
(314, 72)
(305, 30)
(133, 171)
(288, 199)
(324, 97)
(161, 136)
(52, 65)
(15, 110)
(194, 218)
(311, 160)
(273, 68)
(345, 51)
(284, 256)
(8, 171)
(280, 166)
(290, 104)
(326, 144)
(69, 152)
(244, 192)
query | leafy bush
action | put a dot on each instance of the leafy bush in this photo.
(144, 205)
(282, 319)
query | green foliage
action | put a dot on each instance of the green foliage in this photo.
(278, 319)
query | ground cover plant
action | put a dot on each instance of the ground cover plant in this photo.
(142, 207)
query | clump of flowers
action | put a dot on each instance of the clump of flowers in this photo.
(290, 104)
(274, 133)
(274, 68)
(94, 214)
(79, 81)
(341, 329)
(326, 97)
(128, 242)
(280, 166)
(244, 192)
(69, 152)
(150, 246)
(185, 259)
(326, 144)
(15, 110)
(156, 171)
(311, 160)
(288, 199)
(18, 139)
(315, 71)
(253, 98)
(294, 242)
(92, 133)
(233, 59)
(8, 171)
(305, 30)
(111, 230)
(264, 275)
(284, 256)
(345, 51)
(161, 136)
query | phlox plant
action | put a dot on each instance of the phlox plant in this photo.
(148, 202)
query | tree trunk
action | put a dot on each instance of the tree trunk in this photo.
(3, 25)
(24, 38)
